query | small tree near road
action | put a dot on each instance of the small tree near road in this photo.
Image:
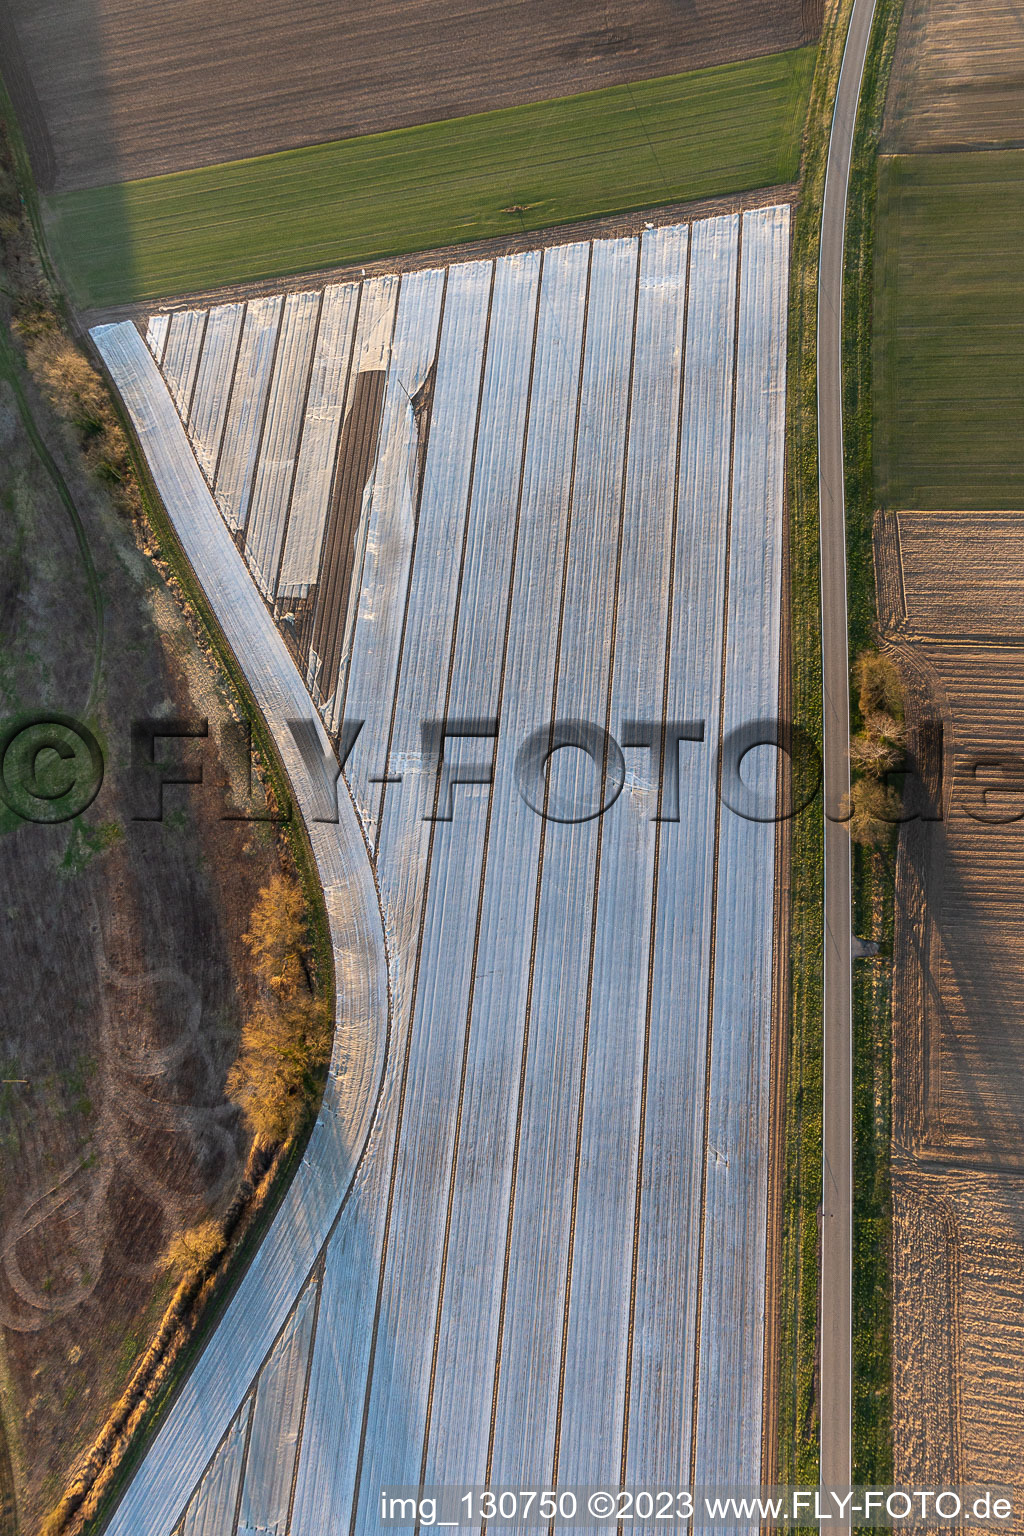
(877, 749)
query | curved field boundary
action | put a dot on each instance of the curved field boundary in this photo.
(259, 1308)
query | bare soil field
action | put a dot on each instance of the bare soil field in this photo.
(125, 977)
(121, 1008)
(951, 605)
(114, 90)
(956, 79)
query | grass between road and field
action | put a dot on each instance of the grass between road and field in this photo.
(796, 1342)
(949, 346)
(873, 869)
(708, 132)
(873, 881)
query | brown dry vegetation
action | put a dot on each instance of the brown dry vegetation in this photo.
(955, 619)
(956, 80)
(110, 90)
(125, 978)
(286, 1036)
(193, 1251)
(877, 749)
(874, 810)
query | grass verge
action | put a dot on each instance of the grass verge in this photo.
(728, 129)
(949, 347)
(872, 1193)
(796, 1337)
(873, 892)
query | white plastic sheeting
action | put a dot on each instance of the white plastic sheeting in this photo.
(272, 482)
(551, 1261)
(213, 385)
(735, 1203)
(181, 355)
(516, 683)
(659, 1428)
(365, 686)
(156, 335)
(320, 427)
(212, 1509)
(244, 426)
(616, 1007)
(274, 1430)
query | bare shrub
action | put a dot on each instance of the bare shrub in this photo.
(193, 1252)
(878, 685)
(77, 393)
(276, 937)
(873, 755)
(287, 1036)
(885, 726)
(879, 748)
(874, 810)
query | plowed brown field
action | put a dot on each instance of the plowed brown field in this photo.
(951, 602)
(956, 81)
(111, 90)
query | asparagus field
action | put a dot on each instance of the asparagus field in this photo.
(516, 526)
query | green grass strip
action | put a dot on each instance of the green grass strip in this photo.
(796, 1338)
(874, 917)
(679, 138)
(949, 348)
(873, 890)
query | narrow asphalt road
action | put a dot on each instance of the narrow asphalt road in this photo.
(837, 1185)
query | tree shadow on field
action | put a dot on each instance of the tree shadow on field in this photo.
(956, 939)
(55, 65)
(971, 995)
(962, 1040)
(959, 883)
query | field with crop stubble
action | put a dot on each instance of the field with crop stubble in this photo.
(952, 604)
